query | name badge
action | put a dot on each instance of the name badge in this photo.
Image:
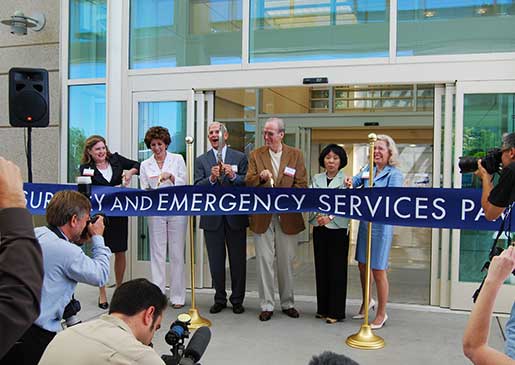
(88, 172)
(234, 168)
(365, 175)
(289, 171)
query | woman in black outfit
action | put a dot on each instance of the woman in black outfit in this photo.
(110, 169)
(330, 240)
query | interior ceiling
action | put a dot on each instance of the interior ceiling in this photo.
(411, 135)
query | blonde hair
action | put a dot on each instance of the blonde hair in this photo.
(392, 147)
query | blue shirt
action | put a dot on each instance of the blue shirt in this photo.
(65, 265)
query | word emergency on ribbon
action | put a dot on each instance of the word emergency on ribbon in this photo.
(418, 207)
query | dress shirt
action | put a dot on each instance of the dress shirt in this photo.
(106, 340)
(65, 265)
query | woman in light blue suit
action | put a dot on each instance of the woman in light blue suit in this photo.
(330, 241)
(386, 174)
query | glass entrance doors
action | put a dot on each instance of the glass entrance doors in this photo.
(174, 111)
(484, 111)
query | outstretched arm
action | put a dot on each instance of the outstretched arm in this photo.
(475, 339)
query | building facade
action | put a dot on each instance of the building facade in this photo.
(438, 76)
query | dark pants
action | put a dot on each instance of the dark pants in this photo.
(331, 248)
(236, 241)
(29, 349)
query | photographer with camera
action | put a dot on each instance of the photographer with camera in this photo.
(65, 264)
(121, 337)
(495, 200)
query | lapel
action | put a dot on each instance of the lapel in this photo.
(337, 181)
(285, 158)
(383, 172)
(266, 159)
(211, 160)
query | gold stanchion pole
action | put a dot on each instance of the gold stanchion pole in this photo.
(196, 320)
(365, 339)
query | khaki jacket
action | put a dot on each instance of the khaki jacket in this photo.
(291, 223)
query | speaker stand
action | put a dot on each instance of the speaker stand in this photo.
(29, 153)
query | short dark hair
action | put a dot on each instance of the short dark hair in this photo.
(64, 205)
(338, 150)
(331, 358)
(157, 133)
(137, 295)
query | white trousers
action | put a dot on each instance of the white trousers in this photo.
(168, 232)
(269, 245)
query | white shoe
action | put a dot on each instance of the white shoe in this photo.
(380, 325)
(371, 305)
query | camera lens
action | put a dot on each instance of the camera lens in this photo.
(467, 164)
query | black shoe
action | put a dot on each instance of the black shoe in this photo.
(104, 305)
(265, 316)
(291, 312)
(217, 308)
(238, 308)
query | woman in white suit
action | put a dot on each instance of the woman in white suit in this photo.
(164, 169)
(330, 241)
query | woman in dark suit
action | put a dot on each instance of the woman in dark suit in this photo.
(109, 169)
(330, 241)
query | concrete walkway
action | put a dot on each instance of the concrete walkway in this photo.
(413, 334)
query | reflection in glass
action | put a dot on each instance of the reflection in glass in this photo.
(318, 29)
(173, 33)
(87, 39)
(477, 26)
(168, 114)
(485, 118)
(86, 116)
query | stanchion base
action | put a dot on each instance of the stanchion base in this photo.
(365, 339)
(196, 320)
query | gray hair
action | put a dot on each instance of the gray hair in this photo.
(278, 122)
(508, 140)
(392, 147)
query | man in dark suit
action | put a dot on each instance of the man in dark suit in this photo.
(230, 230)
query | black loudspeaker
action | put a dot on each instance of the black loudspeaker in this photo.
(28, 97)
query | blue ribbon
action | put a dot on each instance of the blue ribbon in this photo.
(416, 207)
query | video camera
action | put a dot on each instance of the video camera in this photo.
(191, 354)
(492, 162)
(70, 313)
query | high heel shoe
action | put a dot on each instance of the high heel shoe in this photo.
(371, 305)
(103, 305)
(380, 325)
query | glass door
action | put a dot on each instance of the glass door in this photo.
(173, 110)
(484, 111)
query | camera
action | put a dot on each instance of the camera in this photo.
(70, 313)
(85, 234)
(175, 337)
(492, 162)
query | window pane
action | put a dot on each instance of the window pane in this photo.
(88, 24)
(86, 116)
(317, 29)
(476, 26)
(485, 118)
(172, 33)
(168, 114)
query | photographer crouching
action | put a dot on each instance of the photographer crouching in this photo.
(65, 265)
(495, 200)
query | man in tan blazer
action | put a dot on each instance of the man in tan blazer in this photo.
(276, 165)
